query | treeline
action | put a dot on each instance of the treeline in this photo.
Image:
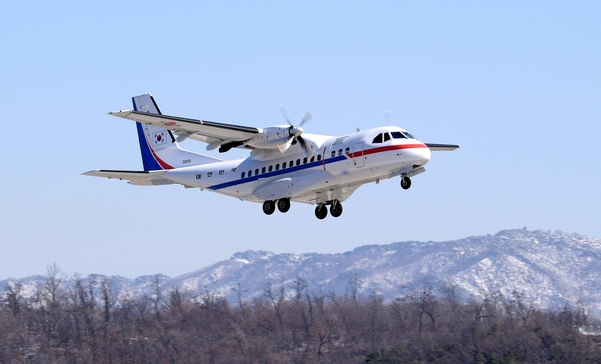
(88, 322)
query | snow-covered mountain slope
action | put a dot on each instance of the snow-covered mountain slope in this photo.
(548, 268)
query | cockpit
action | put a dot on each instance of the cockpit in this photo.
(386, 136)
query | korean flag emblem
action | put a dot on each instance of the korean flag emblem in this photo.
(159, 138)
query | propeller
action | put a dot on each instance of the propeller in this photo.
(294, 131)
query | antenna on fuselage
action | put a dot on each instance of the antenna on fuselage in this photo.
(387, 117)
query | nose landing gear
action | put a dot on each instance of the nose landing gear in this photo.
(405, 182)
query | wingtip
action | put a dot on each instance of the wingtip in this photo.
(119, 113)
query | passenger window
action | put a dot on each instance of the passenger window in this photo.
(378, 139)
(250, 173)
(398, 135)
(347, 150)
(263, 170)
(284, 165)
(305, 160)
(277, 167)
(270, 168)
(298, 162)
(257, 172)
(319, 157)
(339, 152)
(333, 153)
(312, 159)
(243, 175)
(386, 137)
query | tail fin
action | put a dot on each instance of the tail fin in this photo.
(158, 146)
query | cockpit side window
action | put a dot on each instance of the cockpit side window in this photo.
(398, 135)
(386, 137)
(408, 135)
(378, 139)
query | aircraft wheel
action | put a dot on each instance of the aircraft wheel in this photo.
(321, 211)
(283, 205)
(268, 207)
(336, 209)
(405, 183)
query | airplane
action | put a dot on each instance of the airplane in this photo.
(285, 164)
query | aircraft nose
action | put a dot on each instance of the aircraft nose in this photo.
(423, 155)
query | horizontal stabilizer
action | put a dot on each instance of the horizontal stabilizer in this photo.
(138, 178)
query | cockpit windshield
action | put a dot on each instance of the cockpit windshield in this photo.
(402, 135)
(384, 137)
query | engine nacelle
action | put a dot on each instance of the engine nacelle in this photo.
(271, 137)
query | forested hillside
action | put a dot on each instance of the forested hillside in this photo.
(88, 322)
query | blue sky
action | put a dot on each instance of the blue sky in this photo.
(516, 84)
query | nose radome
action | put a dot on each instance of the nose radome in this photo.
(427, 153)
(423, 155)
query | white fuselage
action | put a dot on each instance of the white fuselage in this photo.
(348, 161)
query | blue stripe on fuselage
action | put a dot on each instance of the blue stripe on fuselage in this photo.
(277, 173)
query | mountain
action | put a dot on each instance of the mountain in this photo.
(550, 269)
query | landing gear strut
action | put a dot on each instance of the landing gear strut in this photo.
(268, 207)
(405, 182)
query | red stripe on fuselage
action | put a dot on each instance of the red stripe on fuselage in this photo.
(387, 149)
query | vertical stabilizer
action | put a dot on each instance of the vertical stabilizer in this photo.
(158, 146)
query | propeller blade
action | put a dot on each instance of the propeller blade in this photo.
(308, 116)
(283, 111)
(284, 147)
(303, 144)
(295, 131)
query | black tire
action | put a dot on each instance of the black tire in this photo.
(283, 205)
(336, 209)
(405, 183)
(268, 207)
(321, 212)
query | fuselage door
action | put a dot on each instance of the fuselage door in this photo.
(358, 155)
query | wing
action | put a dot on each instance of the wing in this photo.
(225, 136)
(438, 147)
(137, 178)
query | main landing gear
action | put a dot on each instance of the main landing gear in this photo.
(283, 205)
(321, 211)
